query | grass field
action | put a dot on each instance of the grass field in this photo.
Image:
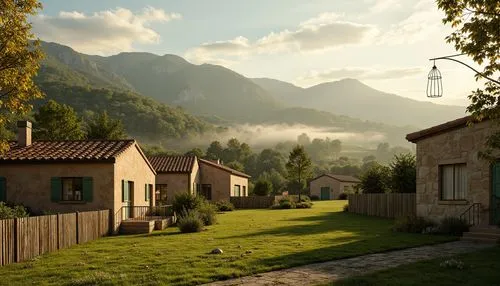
(252, 240)
(479, 268)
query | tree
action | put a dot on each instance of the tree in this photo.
(263, 188)
(404, 173)
(101, 126)
(303, 139)
(235, 165)
(19, 59)
(56, 121)
(195, 152)
(214, 151)
(376, 180)
(299, 167)
(476, 33)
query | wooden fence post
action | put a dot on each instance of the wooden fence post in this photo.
(77, 230)
(16, 237)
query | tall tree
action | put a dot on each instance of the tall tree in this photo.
(19, 59)
(214, 151)
(195, 152)
(377, 179)
(101, 126)
(56, 121)
(476, 33)
(404, 173)
(299, 167)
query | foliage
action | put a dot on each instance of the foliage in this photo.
(412, 224)
(14, 211)
(195, 152)
(345, 208)
(224, 206)
(314, 198)
(56, 121)
(342, 196)
(19, 59)
(376, 179)
(284, 204)
(453, 226)
(101, 126)
(207, 213)
(189, 221)
(304, 205)
(404, 173)
(214, 151)
(475, 33)
(186, 202)
(263, 188)
(299, 167)
(235, 165)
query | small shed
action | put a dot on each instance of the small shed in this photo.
(329, 186)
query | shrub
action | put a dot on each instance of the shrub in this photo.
(285, 204)
(224, 206)
(15, 211)
(207, 213)
(404, 173)
(263, 188)
(376, 179)
(453, 226)
(342, 196)
(186, 201)
(304, 205)
(412, 224)
(345, 208)
(314, 198)
(295, 198)
(189, 221)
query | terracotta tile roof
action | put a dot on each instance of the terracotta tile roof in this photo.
(70, 150)
(341, 178)
(438, 129)
(222, 167)
(172, 164)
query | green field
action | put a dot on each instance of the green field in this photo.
(252, 240)
(479, 268)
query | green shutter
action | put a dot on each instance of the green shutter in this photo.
(125, 191)
(3, 189)
(56, 189)
(88, 190)
(146, 191)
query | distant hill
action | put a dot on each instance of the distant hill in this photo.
(352, 98)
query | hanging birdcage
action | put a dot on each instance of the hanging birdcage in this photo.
(434, 83)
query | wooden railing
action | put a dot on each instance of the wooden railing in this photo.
(471, 214)
(142, 213)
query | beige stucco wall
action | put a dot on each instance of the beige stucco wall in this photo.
(243, 182)
(131, 166)
(219, 179)
(176, 183)
(30, 185)
(195, 177)
(336, 187)
(456, 146)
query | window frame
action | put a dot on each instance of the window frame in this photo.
(159, 187)
(239, 190)
(454, 188)
(63, 197)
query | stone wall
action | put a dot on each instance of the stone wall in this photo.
(453, 147)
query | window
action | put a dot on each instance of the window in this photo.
(72, 189)
(237, 189)
(161, 194)
(206, 191)
(453, 185)
(148, 189)
(3, 189)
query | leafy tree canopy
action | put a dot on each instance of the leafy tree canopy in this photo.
(299, 167)
(56, 121)
(101, 126)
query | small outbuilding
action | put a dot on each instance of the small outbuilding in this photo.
(330, 186)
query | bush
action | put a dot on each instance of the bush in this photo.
(207, 213)
(304, 205)
(285, 204)
(314, 198)
(453, 226)
(186, 202)
(404, 173)
(263, 188)
(376, 180)
(189, 221)
(295, 198)
(345, 208)
(15, 211)
(342, 196)
(412, 224)
(224, 206)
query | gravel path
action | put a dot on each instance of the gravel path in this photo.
(333, 270)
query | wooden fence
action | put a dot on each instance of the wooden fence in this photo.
(383, 205)
(253, 202)
(25, 238)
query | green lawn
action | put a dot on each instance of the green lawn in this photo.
(253, 241)
(479, 268)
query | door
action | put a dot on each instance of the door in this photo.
(325, 193)
(127, 199)
(495, 193)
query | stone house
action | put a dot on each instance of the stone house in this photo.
(179, 174)
(451, 176)
(329, 186)
(76, 175)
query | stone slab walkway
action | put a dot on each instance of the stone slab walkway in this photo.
(338, 269)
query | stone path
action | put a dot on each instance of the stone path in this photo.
(338, 269)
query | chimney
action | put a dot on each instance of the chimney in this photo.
(23, 133)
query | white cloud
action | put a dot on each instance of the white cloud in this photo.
(321, 33)
(380, 6)
(360, 73)
(104, 32)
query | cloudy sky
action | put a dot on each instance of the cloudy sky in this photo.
(384, 43)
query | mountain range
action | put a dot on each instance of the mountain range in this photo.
(211, 95)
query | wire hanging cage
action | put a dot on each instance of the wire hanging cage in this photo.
(434, 83)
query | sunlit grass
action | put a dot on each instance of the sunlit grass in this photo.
(252, 240)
